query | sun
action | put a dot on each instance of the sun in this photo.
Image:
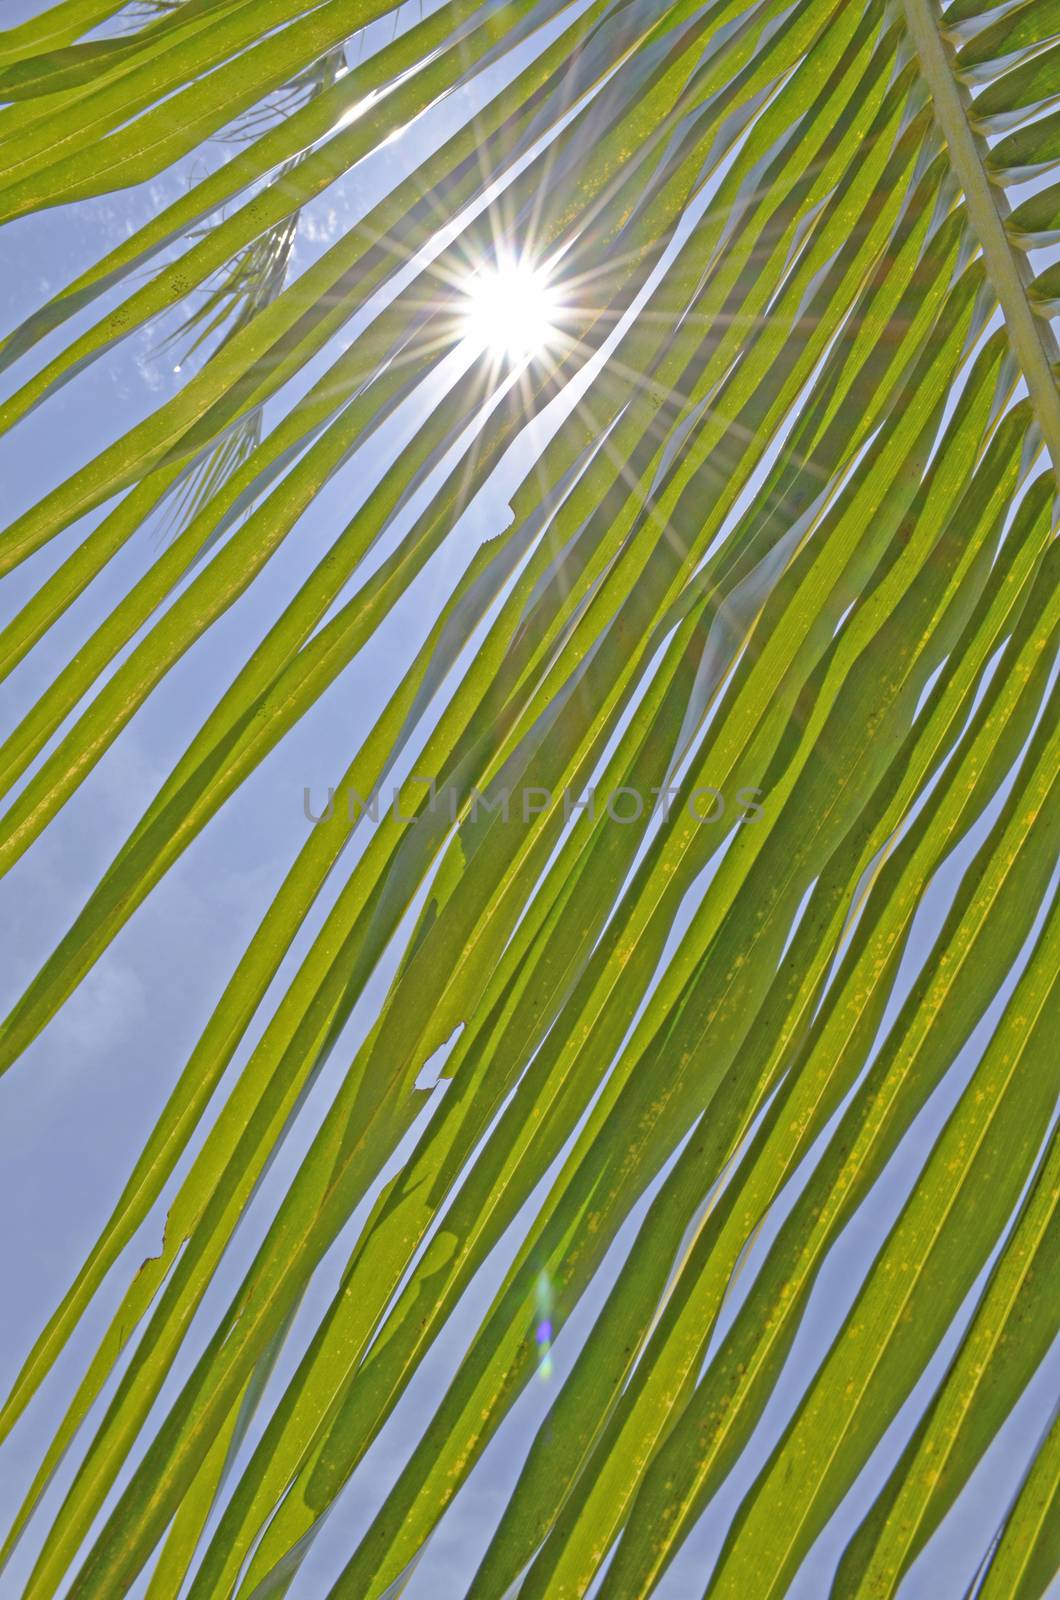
(511, 311)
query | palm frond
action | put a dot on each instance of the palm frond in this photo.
(777, 528)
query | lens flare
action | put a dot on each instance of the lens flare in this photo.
(543, 1333)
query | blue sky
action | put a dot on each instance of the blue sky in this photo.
(81, 1101)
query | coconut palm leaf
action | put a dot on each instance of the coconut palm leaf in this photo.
(246, 285)
(683, 914)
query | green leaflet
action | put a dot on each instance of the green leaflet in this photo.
(33, 133)
(962, 1199)
(578, 1412)
(714, 1423)
(1033, 83)
(1045, 291)
(208, 36)
(1038, 219)
(657, 1411)
(187, 1526)
(1009, 1335)
(1023, 1564)
(1029, 23)
(170, 1570)
(74, 66)
(57, 26)
(1028, 147)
